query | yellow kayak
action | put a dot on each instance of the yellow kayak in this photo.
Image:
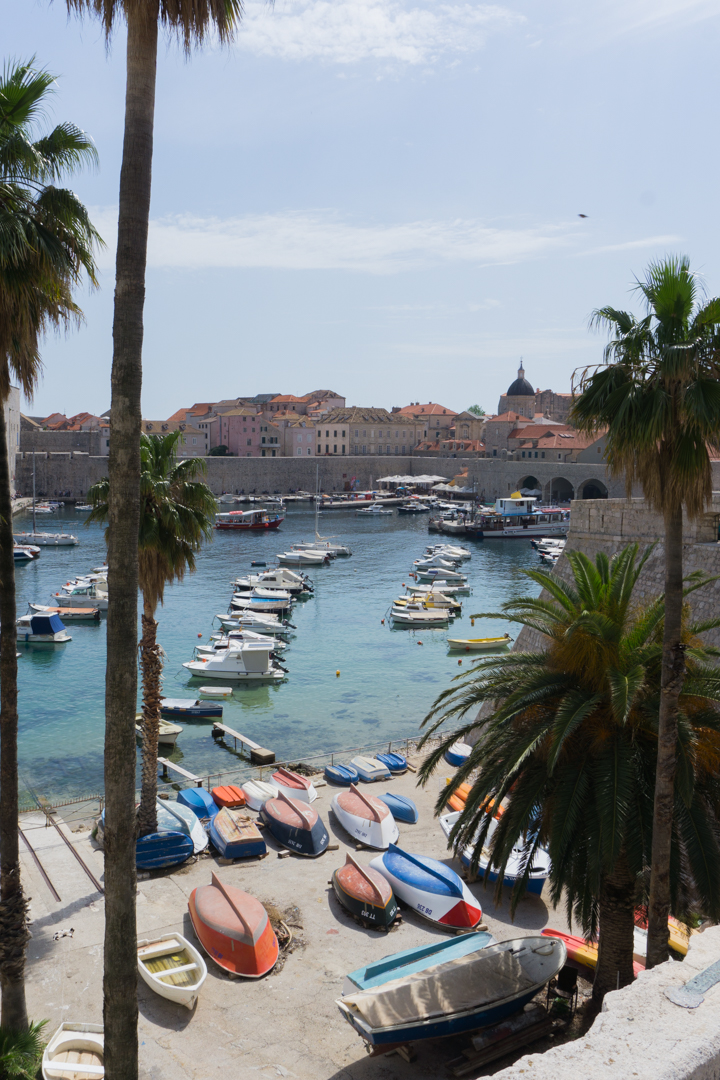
(478, 643)
(679, 934)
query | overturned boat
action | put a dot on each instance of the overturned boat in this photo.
(365, 818)
(365, 893)
(295, 825)
(234, 929)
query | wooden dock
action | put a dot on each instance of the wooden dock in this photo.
(258, 754)
(178, 769)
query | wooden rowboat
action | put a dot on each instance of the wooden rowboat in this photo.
(233, 928)
(478, 644)
(235, 836)
(365, 894)
(172, 967)
(75, 1052)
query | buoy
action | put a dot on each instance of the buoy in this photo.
(467, 648)
(337, 674)
(199, 635)
(419, 642)
(472, 622)
(382, 622)
(459, 661)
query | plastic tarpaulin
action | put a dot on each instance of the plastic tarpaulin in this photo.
(465, 983)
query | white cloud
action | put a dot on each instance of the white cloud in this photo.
(633, 245)
(326, 241)
(348, 31)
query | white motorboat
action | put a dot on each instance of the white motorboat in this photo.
(41, 630)
(88, 594)
(75, 1052)
(221, 643)
(25, 554)
(84, 506)
(250, 602)
(273, 580)
(46, 539)
(216, 691)
(438, 574)
(249, 663)
(418, 615)
(81, 614)
(303, 558)
(257, 793)
(321, 544)
(435, 563)
(172, 967)
(446, 588)
(374, 508)
(434, 599)
(454, 551)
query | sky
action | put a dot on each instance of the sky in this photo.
(383, 197)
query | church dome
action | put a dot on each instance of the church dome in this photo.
(521, 387)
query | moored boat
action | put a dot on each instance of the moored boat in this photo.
(294, 786)
(189, 708)
(431, 888)
(365, 894)
(370, 769)
(257, 520)
(216, 691)
(365, 818)
(235, 835)
(478, 644)
(257, 793)
(167, 732)
(419, 958)
(75, 1052)
(234, 929)
(172, 967)
(42, 630)
(461, 995)
(401, 808)
(343, 775)
(86, 614)
(295, 825)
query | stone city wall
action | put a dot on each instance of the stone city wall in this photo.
(610, 524)
(55, 442)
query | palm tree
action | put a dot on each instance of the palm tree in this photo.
(176, 514)
(46, 244)
(658, 396)
(192, 21)
(571, 745)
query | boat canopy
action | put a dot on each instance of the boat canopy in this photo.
(46, 624)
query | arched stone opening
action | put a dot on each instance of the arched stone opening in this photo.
(530, 485)
(559, 490)
(592, 489)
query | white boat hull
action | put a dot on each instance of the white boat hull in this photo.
(257, 793)
(205, 671)
(374, 834)
(149, 948)
(63, 1055)
(42, 539)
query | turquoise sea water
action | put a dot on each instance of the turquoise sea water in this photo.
(387, 680)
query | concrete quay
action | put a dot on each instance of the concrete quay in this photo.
(285, 1025)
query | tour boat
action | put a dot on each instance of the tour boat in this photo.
(478, 644)
(167, 732)
(199, 800)
(295, 825)
(458, 753)
(370, 769)
(294, 786)
(365, 894)
(396, 763)
(228, 795)
(321, 544)
(401, 808)
(75, 1052)
(82, 614)
(248, 519)
(235, 835)
(456, 997)
(188, 708)
(365, 818)
(257, 793)
(161, 849)
(41, 630)
(250, 663)
(234, 929)
(431, 888)
(419, 958)
(518, 516)
(172, 967)
(46, 539)
(344, 775)
(453, 551)
(514, 868)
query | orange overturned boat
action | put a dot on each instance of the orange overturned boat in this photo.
(233, 928)
(229, 795)
(365, 894)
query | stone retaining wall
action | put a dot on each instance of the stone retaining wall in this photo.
(640, 1034)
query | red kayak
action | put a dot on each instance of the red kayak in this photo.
(234, 929)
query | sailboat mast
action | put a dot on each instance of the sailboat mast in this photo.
(34, 529)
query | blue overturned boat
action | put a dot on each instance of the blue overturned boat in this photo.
(458, 753)
(454, 997)
(410, 961)
(161, 849)
(401, 808)
(429, 887)
(199, 800)
(396, 763)
(191, 708)
(235, 836)
(343, 775)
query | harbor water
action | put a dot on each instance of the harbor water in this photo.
(387, 679)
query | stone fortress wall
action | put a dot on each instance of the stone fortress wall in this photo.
(611, 524)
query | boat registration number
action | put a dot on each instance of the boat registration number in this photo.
(367, 915)
(424, 910)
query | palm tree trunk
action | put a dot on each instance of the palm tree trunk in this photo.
(13, 905)
(617, 919)
(151, 665)
(671, 682)
(120, 1007)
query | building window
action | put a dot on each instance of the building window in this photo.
(364, 431)
(300, 450)
(523, 453)
(494, 453)
(263, 441)
(387, 449)
(308, 449)
(343, 435)
(542, 454)
(334, 434)
(335, 449)
(403, 449)
(343, 448)
(273, 453)
(253, 431)
(248, 455)
(364, 450)
(249, 442)
(327, 434)
(327, 449)
(397, 449)
(379, 449)
(309, 438)
(356, 433)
